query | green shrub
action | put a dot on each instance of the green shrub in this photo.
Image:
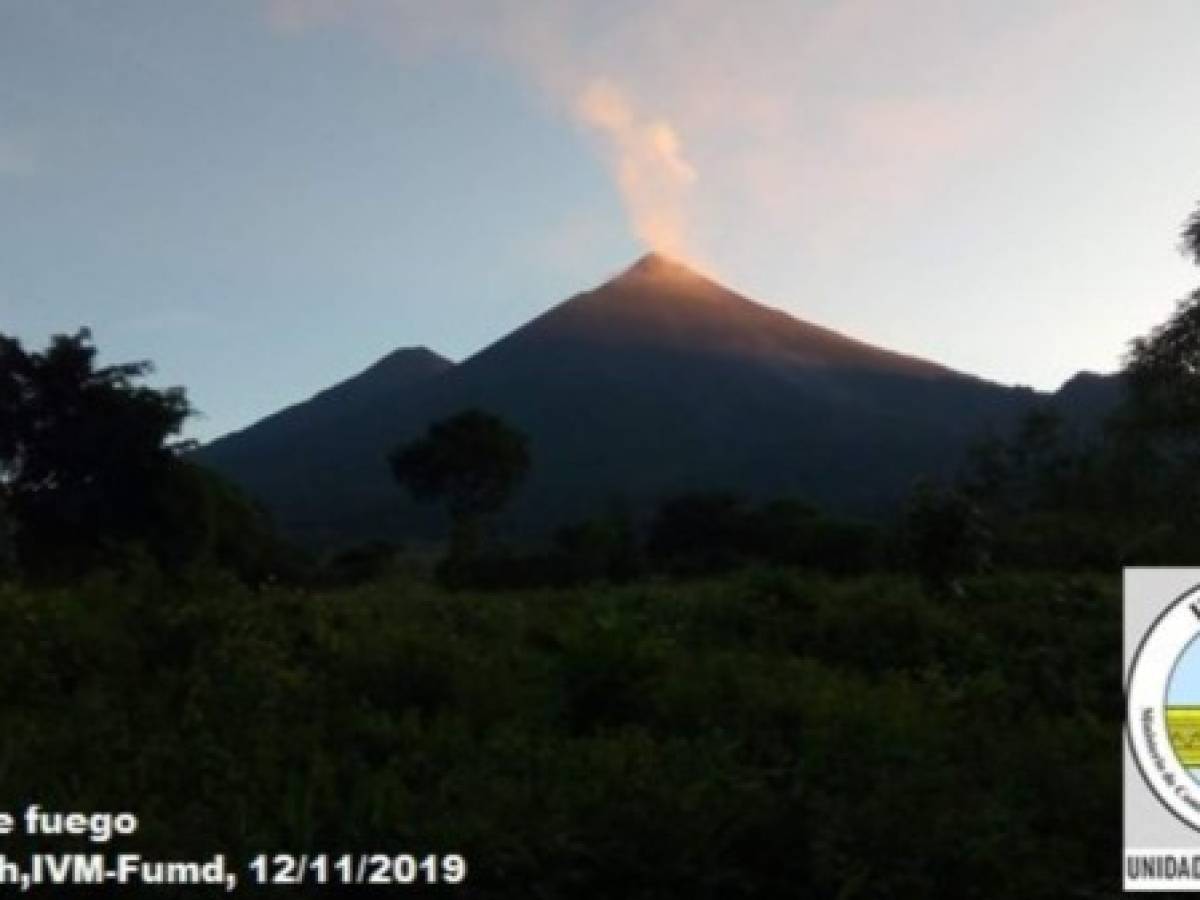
(764, 734)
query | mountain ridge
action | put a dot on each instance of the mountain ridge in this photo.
(683, 299)
(396, 370)
(657, 381)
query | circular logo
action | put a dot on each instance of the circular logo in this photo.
(1163, 712)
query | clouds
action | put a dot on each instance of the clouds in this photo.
(819, 119)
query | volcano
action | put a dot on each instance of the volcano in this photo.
(660, 302)
(657, 382)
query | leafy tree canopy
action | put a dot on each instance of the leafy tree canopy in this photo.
(63, 421)
(82, 447)
(945, 534)
(1164, 366)
(1191, 236)
(473, 461)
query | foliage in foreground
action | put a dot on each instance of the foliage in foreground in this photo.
(765, 735)
(90, 467)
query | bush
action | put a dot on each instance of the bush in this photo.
(764, 734)
(944, 535)
(8, 549)
(699, 533)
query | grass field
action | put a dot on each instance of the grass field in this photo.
(768, 734)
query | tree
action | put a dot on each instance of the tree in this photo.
(1163, 367)
(203, 519)
(1191, 236)
(699, 533)
(472, 461)
(945, 536)
(1039, 465)
(603, 547)
(1159, 425)
(83, 450)
(7, 548)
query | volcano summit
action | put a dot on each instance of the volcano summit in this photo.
(656, 382)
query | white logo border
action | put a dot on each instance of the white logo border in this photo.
(1150, 673)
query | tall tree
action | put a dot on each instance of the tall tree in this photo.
(1157, 433)
(1164, 366)
(472, 461)
(1191, 236)
(944, 535)
(83, 450)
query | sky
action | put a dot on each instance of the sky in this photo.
(1184, 686)
(265, 196)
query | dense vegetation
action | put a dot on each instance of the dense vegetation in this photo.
(90, 471)
(732, 699)
(769, 734)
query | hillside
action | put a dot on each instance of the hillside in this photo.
(274, 458)
(658, 381)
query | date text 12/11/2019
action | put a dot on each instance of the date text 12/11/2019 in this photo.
(358, 868)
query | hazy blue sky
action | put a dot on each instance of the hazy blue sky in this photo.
(1184, 688)
(263, 196)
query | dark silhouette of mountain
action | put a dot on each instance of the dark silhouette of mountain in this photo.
(658, 381)
(371, 390)
(275, 458)
(1086, 398)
